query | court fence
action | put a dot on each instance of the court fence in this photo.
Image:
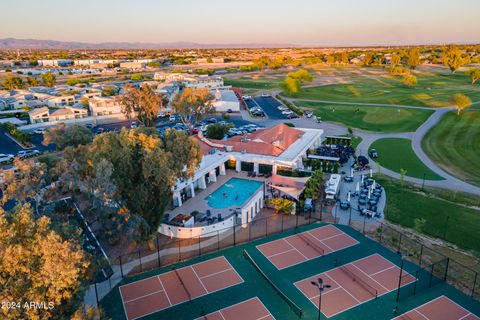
(406, 244)
(429, 261)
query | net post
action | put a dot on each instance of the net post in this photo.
(140, 260)
(446, 269)
(121, 266)
(158, 252)
(96, 294)
(474, 284)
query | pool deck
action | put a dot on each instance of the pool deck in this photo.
(201, 205)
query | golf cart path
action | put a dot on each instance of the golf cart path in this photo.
(450, 182)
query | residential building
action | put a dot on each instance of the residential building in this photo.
(55, 63)
(100, 106)
(44, 114)
(133, 65)
(61, 101)
(225, 100)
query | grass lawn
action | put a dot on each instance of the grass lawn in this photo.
(370, 118)
(454, 144)
(396, 153)
(433, 90)
(266, 84)
(405, 204)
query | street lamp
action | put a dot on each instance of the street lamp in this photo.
(319, 284)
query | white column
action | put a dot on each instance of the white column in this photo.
(192, 190)
(177, 198)
(238, 166)
(202, 183)
(222, 169)
(300, 163)
(255, 167)
(274, 169)
(212, 176)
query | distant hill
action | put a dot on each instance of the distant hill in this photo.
(12, 43)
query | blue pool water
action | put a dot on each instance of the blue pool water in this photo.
(234, 192)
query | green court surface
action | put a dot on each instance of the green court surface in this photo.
(370, 118)
(397, 153)
(255, 285)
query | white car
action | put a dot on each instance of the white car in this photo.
(27, 153)
(39, 131)
(5, 158)
(172, 118)
(287, 112)
(134, 124)
(264, 95)
(282, 108)
(246, 97)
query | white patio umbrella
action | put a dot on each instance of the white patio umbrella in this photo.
(369, 192)
(357, 188)
(374, 184)
(371, 173)
(348, 196)
(351, 172)
(362, 178)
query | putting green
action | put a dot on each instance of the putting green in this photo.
(370, 118)
(454, 144)
(397, 153)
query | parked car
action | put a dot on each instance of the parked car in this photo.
(212, 120)
(258, 113)
(348, 179)
(282, 108)
(246, 97)
(134, 124)
(90, 125)
(287, 112)
(264, 95)
(292, 116)
(5, 158)
(39, 131)
(344, 205)
(229, 110)
(99, 130)
(308, 114)
(27, 153)
(373, 153)
(172, 118)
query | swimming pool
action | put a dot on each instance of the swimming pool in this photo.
(234, 192)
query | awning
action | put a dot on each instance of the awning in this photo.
(289, 191)
(293, 182)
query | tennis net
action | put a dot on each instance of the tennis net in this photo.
(359, 280)
(296, 309)
(183, 284)
(310, 244)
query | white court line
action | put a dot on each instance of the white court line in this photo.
(238, 303)
(123, 304)
(375, 273)
(421, 314)
(344, 289)
(149, 294)
(370, 277)
(277, 254)
(199, 280)
(334, 289)
(326, 273)
(213, 274)
(297, 251)
(161, 282)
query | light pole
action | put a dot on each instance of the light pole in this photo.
(319, 284)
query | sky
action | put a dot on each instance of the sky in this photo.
(300, 22)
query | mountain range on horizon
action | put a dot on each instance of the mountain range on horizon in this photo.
(13, 43)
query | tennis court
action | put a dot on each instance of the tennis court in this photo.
(301, 247)
(441, 308)
(165, 290)
(251, 309)
(354, 283)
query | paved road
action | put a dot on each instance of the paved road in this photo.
(269, 106)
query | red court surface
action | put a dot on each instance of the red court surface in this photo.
(251, 309)
(441, 308)
(301, 247)
(159, 292)
(354, 283)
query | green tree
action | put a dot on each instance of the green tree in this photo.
(474, 74)
(217, 131)
(314, 185)
(72, 81)
(192, 105)
(331, 59)
(108, 92)
(413, 58)
(67, 136)
(403, 173)
(11, 83)
(48, 79)
(453, 59)
(32, 82)
(281, 205)
(395, 60)
(291, 85)
(368, 58)
(136, 77)
(410, 81)
(144, 102)
(36, 264)
(302, 75)
(144, 169)
(461, 102)
(419, 224)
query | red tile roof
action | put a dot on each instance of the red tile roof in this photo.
(271, 141)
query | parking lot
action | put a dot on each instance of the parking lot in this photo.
(270, 106)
